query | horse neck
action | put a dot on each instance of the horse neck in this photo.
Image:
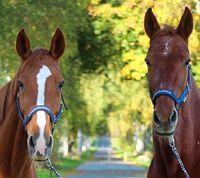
(14, 158)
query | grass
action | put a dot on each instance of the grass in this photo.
(128, 156)
(124, 151)
(141, 160)
(66, 165)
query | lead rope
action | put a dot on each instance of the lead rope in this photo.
(48, 163)
(52, 169)
(177, 156)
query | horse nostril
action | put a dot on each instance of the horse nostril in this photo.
(38, 154)
(31, 142)
(173, 116)
(156, 118)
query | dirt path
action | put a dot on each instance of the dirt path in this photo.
(103, 166)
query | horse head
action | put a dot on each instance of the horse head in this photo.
(168, 69)
(39, 83)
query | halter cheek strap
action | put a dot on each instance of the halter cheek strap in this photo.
(172, 95)
(25, 120)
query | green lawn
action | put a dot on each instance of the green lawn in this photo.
(65, 165)
(128, 156)
(141, 160)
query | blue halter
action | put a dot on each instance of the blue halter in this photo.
(172, 95)
(54, 119)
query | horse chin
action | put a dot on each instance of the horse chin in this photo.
(164, 134)
(165, 130)
(40, 163)
(40, 160)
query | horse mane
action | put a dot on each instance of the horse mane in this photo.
(4, 92)
(7, 94)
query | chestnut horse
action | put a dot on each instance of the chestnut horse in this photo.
(29, 108)
(175, 97)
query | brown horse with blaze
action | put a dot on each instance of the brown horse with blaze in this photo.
(37, 89)
(175, 97)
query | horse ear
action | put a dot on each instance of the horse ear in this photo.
(186, 24)
(57, 44)
(23, 45)
(150, 23)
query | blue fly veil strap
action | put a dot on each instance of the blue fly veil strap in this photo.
(54, 119)
(172, 95)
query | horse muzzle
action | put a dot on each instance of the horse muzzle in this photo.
(39, 150)
(40, 136)
(165, 128)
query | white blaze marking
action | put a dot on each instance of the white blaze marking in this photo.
(40, 143)
(167, 48)
(42, 76)
(165, 51)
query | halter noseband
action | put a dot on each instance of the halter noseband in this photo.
(54, 119)
(172, 95)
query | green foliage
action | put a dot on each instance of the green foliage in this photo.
(102, 127)
(103, 65)
(40, 20)
(118, 27)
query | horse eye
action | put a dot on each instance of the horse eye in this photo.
(187, 62)
(147, 62)
(20, 84)
(61, 84)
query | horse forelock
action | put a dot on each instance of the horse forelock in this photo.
(166, 30)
